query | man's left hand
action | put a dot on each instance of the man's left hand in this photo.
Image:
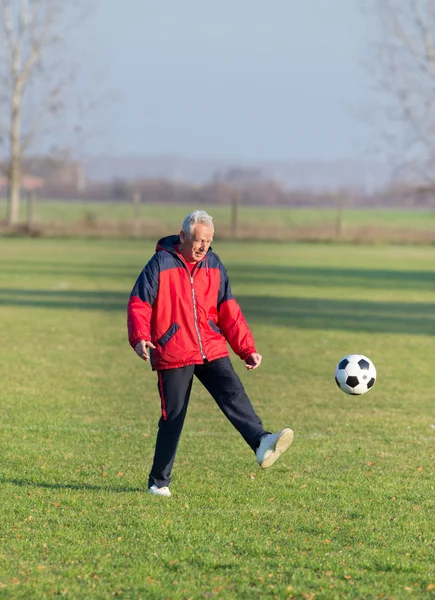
(253, 361)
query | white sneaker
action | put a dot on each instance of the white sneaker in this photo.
(159, 491)
(272, 445)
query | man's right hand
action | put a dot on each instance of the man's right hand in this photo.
(141, 349)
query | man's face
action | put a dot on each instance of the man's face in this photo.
(194, 248)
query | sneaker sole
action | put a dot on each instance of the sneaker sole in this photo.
(282, 443)
(160, 495)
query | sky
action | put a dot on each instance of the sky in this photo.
(235, 79)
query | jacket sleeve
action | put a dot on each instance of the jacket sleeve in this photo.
(231, 320)
(141, 302)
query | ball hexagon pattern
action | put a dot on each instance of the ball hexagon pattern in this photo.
(355, 374)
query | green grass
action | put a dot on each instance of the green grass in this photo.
(170, 216)
(348, 512)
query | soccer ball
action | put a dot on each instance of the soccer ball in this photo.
(355, 374)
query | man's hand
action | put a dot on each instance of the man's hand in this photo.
(253, 361)
(141, 349)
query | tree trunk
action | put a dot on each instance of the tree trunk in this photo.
(14, 171)
(14, 190)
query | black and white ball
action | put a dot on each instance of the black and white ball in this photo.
(355, 374)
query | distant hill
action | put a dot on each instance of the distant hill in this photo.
(292, 175)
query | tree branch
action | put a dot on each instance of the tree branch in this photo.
(47, 106)
(8, 23)
(37, 44)
(429, 53)
(405, 65)
(23, 18)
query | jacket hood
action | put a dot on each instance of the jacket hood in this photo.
(169, 242)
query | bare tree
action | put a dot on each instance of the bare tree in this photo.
(33, 76)
(403, 67)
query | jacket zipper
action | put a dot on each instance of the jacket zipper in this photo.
(195, 316)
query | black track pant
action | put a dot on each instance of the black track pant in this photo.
(220, 379)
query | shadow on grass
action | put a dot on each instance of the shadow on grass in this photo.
(70, 486)
(343, 315)
(65, 299)
(292, 312)
(62, 271)
(263, 275)
(330, 277)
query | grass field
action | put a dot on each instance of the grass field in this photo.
(347, 512)
(391, 225)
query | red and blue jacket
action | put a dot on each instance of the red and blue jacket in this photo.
(189, 317)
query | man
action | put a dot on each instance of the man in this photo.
(183, 313)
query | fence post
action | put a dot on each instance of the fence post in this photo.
(136, 214)
(235, 214)
(340, 214)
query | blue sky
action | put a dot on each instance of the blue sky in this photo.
(238, 79)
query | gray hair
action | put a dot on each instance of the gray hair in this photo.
(198, 216)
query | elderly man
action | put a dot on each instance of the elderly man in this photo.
(181, 314)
